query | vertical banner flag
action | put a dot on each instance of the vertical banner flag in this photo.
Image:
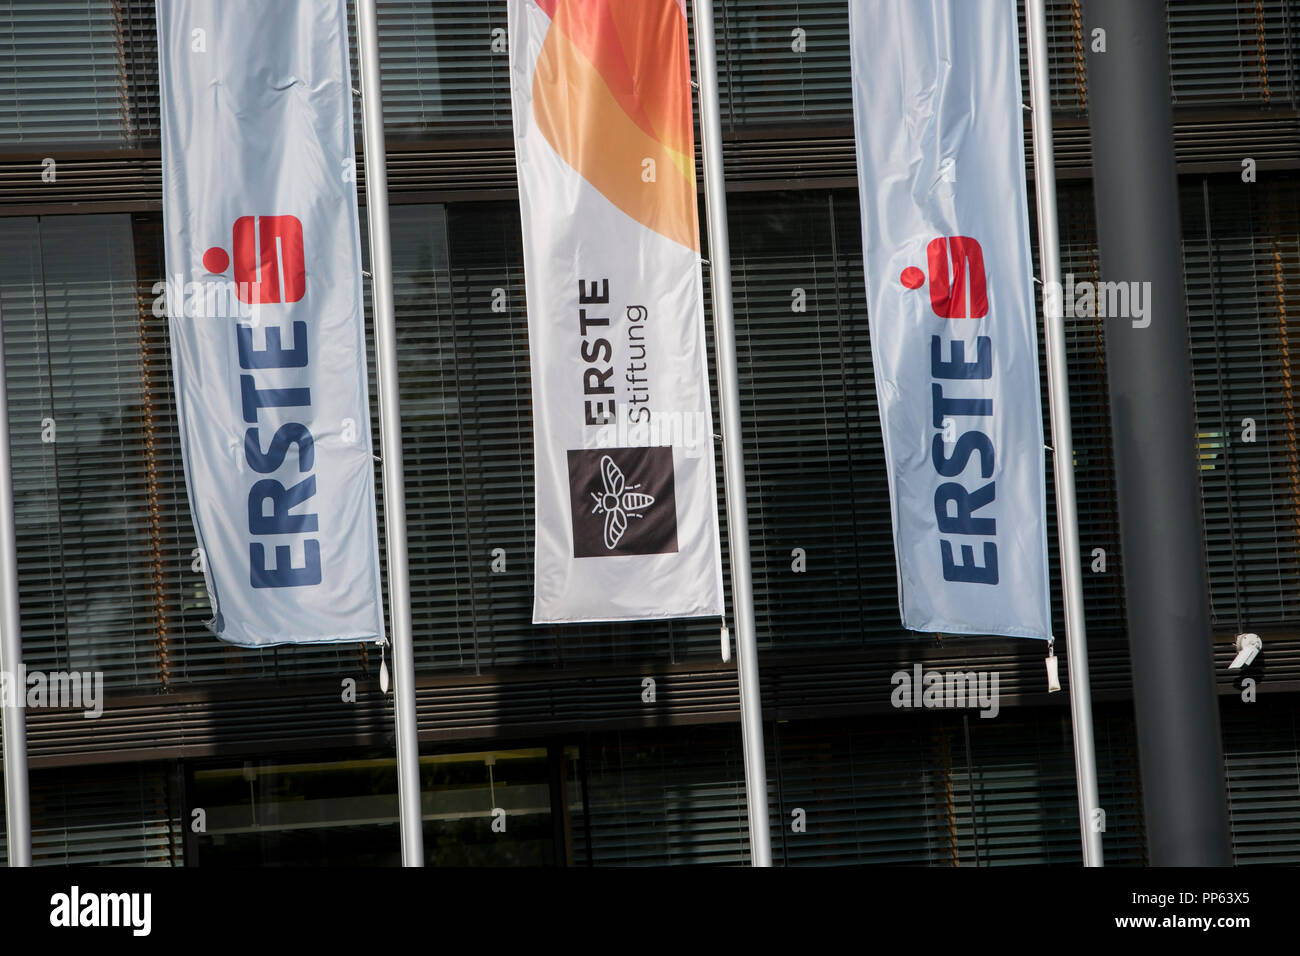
(265, 310)
(627, 521)
(945, 231)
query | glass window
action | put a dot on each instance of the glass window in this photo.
(487, 808)
(82, 485)
(61, 76)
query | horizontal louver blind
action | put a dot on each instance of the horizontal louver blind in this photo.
(172, 616)
(1262, 756)
(900, 792)
(1018, 805)
(61, 76)
(1103, 586)
(1066, 56)
(880, 795)
(1242, 272)
(655, 802)
(86, 74)
(1225, 52)
(67, 287)
(115, 818)
(27, 372)
(445, 66)
(485, 376)
(782, 63)
(813, 446)
(431, 448)
(894, 793)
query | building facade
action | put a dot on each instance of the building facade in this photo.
(620, 744)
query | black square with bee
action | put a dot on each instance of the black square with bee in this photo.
(622, 501)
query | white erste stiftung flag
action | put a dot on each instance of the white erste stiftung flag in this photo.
(626, 506)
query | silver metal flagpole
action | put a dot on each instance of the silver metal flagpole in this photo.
(1058, 390)
(390, 438)
(724, 331)
(18, 822)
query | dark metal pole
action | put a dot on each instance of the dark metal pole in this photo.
(1154, 430)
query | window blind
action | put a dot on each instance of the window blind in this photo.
(1224, 53)
(654, 801)
(85, 74)
(893, 791)
(67, 289)
(1242, 261)
(61, 74)
(119, 817)
(1018, 803)
(1262, 756)
(861, 794)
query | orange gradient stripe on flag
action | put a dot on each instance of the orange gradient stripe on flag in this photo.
(612, 90)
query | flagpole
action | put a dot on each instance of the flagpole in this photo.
(18, 822)
(1058, 390)
(733, 446)
(390, 438)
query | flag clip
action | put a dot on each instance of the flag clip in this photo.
(383, 669)
(726, 643)
(1053, 675)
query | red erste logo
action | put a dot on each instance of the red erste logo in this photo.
(269, 261)
(948, 291)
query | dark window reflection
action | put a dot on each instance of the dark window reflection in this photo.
(488, 808)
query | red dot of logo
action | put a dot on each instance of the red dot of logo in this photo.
(216, 260)
(912, 277)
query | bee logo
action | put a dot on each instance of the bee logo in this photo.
(617, 502)
(622, 501)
